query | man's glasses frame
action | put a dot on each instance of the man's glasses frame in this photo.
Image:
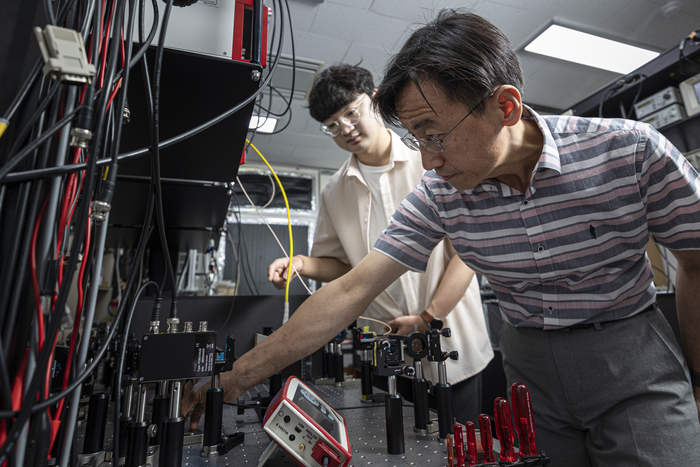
(350, 116)
(432, 143)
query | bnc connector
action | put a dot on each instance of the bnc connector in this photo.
(80, 137)
(100, 210)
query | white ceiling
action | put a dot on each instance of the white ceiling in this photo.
(350, 31)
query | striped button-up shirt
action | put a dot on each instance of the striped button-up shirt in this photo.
(572, 248)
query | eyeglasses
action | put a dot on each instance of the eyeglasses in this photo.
(351, 117)
(433, 143)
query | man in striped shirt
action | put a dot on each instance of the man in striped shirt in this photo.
(556, 212)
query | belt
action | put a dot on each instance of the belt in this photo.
(599, 325)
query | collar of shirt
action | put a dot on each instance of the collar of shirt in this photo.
(353, 169)
(549, 160)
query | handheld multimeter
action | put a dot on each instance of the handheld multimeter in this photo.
(306, 427)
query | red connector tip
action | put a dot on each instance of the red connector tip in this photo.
(459, 445)
(471, 442)
(504, 429)
(524, 423)
(450, 451)
(486, 437)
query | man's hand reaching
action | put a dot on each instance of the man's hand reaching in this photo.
(278, 270)
(193, 397)
(404, 325)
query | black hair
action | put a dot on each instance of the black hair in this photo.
(337, 86)
(463, 54)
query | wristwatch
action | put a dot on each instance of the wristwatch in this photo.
(427, 317)
(694, 377)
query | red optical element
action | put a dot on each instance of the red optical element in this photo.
(524, 423)
(450, 451)
(459, 445)
(471, 442)
(504, 429)
(486, 437)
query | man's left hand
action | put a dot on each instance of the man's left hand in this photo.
(405, 325)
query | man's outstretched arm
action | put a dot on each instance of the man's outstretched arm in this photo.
(321, 316)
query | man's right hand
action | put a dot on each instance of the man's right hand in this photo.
(193, 398)
(277, 271)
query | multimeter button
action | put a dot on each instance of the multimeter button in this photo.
(286, 419)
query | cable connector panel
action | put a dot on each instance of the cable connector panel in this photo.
(64, 54)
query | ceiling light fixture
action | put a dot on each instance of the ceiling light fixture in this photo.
(580, 47)
(262, 124)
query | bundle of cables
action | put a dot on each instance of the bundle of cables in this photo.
(59, 161)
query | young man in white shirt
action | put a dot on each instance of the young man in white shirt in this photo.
(356, 206)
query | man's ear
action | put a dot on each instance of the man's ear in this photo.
(510, 104)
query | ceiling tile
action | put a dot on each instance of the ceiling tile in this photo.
(587, 12)
(408, 10)
(315, 46)
(516, 22)
(373, 58)
(687, 6)
(303, 14)
(352, 24)
(646, 24)
(359, 4)
(559, 84)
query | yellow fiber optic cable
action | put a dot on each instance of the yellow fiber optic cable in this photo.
(291, 240)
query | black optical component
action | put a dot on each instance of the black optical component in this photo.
(416, 345)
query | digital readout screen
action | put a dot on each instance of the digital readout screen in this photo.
(308, 403)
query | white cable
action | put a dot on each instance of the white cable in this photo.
(273, 234)
(377, 321)
(272, 180)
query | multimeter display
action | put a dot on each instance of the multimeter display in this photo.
(305, 426)
(317, 412)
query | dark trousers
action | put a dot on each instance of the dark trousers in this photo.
(466, 400)
(618, 396)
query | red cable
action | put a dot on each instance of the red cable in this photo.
(114, 93)
(121, 40)
(68, 197)
(86, 251)
(37, 296)
(17, 391)
(104, 48)
(119, 83)
(35, 278)
(56, 422)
